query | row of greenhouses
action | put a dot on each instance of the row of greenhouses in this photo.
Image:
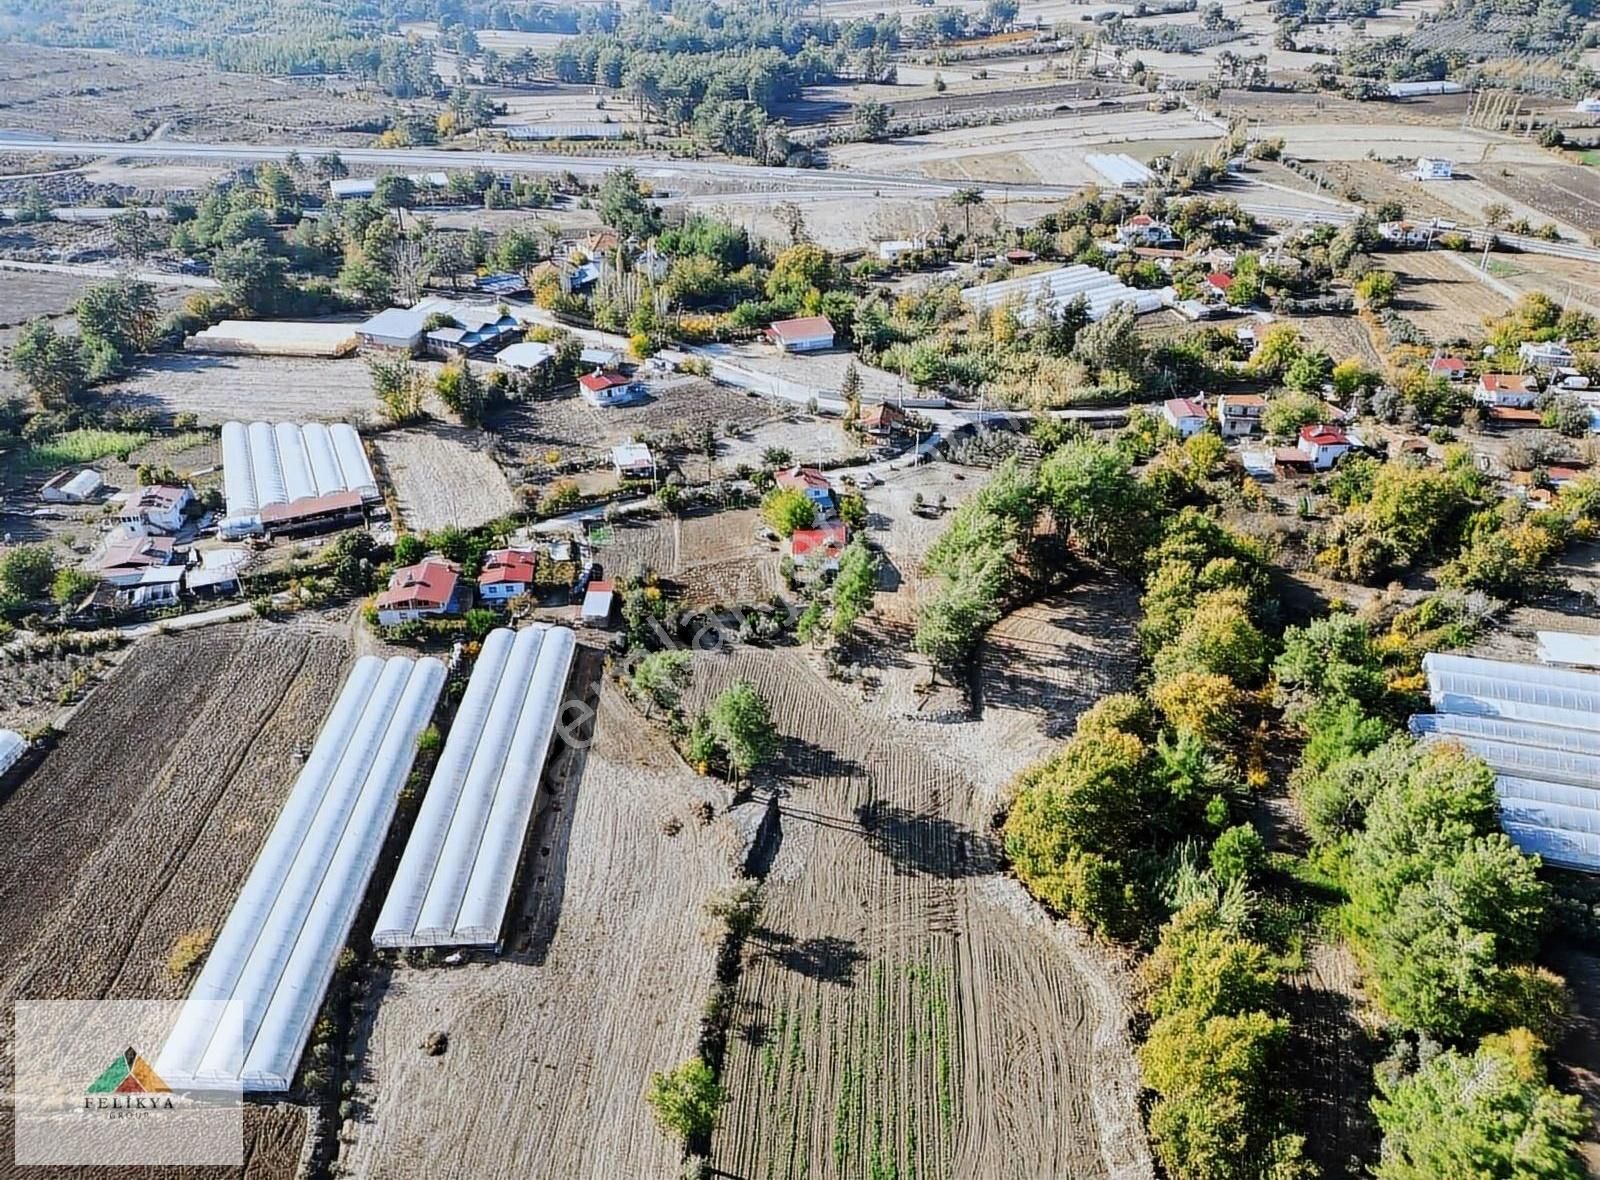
(263, 464)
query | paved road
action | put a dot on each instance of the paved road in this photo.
(158, 278)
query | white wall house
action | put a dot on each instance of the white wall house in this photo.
(812, 333)
(1324, 445)
(507, 574)
(1434, 168)
(159, 508)
(1185, 416)
(1239, 414)
(1511, 391)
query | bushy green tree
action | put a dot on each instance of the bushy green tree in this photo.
(52, 364)
(741, 723)
(27, 571)
(660, 678)
(687, 1100)
(787, 510)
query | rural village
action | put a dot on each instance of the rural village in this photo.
(732, 588)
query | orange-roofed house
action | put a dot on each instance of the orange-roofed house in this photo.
(1506, 391)
(1239, 414)
(507, 574)
(429, 588)
(811, 333)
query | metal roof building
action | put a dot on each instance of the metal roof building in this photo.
(1058, 287)
(545, 131)
(455, 876)
(276, 952)
(1565, 649)
(1538, 728)
(263, 465)
(12, 746)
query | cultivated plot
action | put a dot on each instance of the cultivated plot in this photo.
(442, 477)
(275, 389)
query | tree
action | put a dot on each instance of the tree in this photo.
(741, 723)
(623, 207)
(853, 586)
(1377, 288)
(51, 364)
(1285, 415)
(394, 192)
(965, 199)
(251, 277)
(799, 271)
(131, 232)
(71, 586)
(850, 390)
(462, 390)
(687, 1100)
(27, 571)
(1489, 1114)
(871, 119)
(1567, 414)
(788, 509)
(1328, 661)
(660, 678)
(399, 386)
(124, 314)
(1112, 345)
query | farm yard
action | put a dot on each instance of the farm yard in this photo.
(443, 477)
(1441, 295)
(602, 984)
(274, 389)
(186, 752)
(714, 557)
(899, 992)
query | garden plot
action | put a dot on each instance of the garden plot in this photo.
(1340, 336)
(443, 477)
(715, 557)
(252, 388)
(1441, 294)
(567, 428)
(903, 1010)
(177, 765)
(555, 1041)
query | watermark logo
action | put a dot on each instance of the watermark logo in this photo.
(130, 1084)
(92, 1088)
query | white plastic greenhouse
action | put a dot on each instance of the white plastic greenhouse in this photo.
(276, 951)
(264, 465)
(455, 877)
(1056, 288)
(12, 746)
(1538, 728)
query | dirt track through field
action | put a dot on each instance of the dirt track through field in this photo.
(904, 1010)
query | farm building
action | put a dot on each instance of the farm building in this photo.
(287, 464)
(1120, 169)
(473, 328)
(1323, 445)
(599, 604)
(159, 508)
(130, 550)
(336, 510)
(536, 132)
(895, 249)
(507, 574)
(525, 357)
(455, 876)
(1143, 230)
(1240, 413)
(359, 189)
(1184, 415)
(1565, 649)
(1451, 368)
(502, 284)
(1538, 728)
(882, 420)
(1506, 390)
(1434, 168)
(160, 585)
(274, 338)
(1056, 288)
(602, 389)
(429, 588)
(72, 487)
(1549, 354)
(1419, 89)
(633, 461)
(812, 333)
(600, 358)
(398, 328)
(277, 949)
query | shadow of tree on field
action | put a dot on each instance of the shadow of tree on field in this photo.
(924, 845)
(828, 959)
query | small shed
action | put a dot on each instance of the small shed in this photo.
(633, 460)
(72, 487)
(599, 603)
(524, 357)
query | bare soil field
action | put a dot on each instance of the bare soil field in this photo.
(99, 95)
(555, 1041)
(275, 389)
(187, 800)
(1568, 193)
(1441, 296)
(1340, 336)
(566, 427)
(443, 476)
(35, 688)
(903, 1009)
(715, 557)
(1562, 279)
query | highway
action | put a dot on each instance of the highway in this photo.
(763, 182)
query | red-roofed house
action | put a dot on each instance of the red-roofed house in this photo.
(1506, 390)
(1185, 416)
(819, 548)
(418, 591)
(881, 420)
(1451, 368)
(1323, 445)
(607, 389)
(1219, 282)
(811, 333)
(814, 484)
(507, 574)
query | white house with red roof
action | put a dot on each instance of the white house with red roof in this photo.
(819, 548)
(811, 333)
(507, 574)
(1323, 445)
(1451, 368)
(1144, 230)
(601, 388)
(427, 589)
(1184, 415)
(158, 507)
(1506, 391)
